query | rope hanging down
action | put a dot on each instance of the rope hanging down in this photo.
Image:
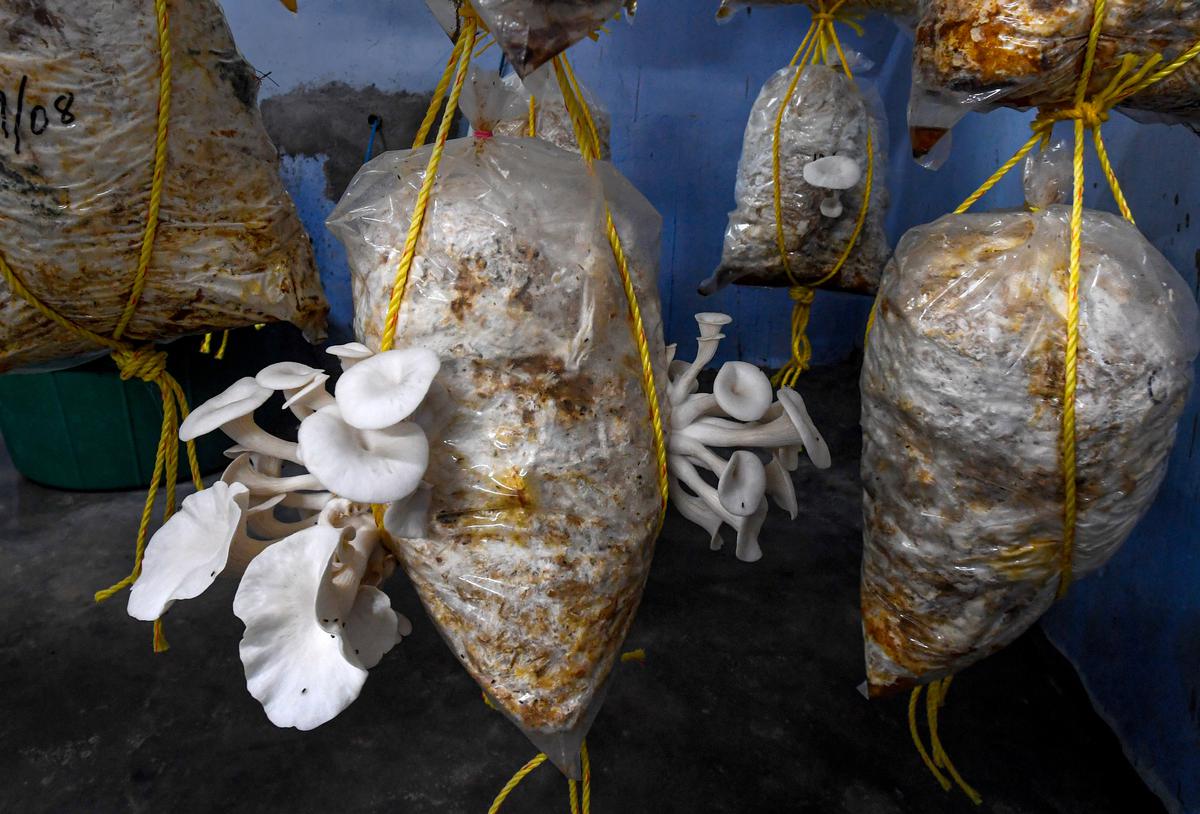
(142, 362)
(1085, 115)
(814, 48)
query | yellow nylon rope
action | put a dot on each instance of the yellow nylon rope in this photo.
(515, 781)
(821, 35)
(532, 129)
(1084, 114)
(589, 142)
(462, 59)
(140, 362)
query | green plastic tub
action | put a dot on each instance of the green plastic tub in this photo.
(86, 429)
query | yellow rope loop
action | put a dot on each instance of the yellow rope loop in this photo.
(913, 700)
(160, 166)
(515, 781)
(145, 362)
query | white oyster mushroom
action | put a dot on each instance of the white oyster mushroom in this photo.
(302, 386)
(710, 337)
(385, 389)
(350, 354)
(742, 487)
(835, 173)
(296, 666)
(232, 412)
(742, 391)
(738, 413)
(366, 466)
(747, 528)
(262, 463)
(187, 553)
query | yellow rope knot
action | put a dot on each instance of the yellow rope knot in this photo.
(1092, 113)
(146, 363)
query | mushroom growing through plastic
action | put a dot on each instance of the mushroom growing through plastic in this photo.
(835, 173)
(738, 414)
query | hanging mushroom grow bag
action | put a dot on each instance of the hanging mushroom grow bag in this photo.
(79, 101)
(962, 389)
(826, 136)
(545, 504)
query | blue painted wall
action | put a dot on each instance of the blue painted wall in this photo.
(679, 89)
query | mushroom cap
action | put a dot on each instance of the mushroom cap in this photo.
(711, 322)
(743, 391)
(185, 555)
(814, 444)
(240, 399)
(287, 376)
(350, 353)
(366, 466)
(743, 485)
(832, 172)
(385, 389)
(409, 518)
(295, 667)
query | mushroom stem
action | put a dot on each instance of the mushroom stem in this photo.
(247, 433)
(706, 349)
(311, 501)
(694, 407)
(267, 526)
(695, 509)
(778, 433)
(241, 471)
(695, 451)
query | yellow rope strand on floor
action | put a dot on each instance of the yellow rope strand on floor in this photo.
(821, 36)
(515, 781)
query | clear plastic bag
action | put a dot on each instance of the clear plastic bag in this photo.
(973, 54)
(900, 8)
(962, 389)
(544, 502)
(533, 32)
(828, 116)
(79, 115)
(552, 120)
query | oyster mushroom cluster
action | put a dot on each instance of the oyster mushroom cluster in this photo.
(294, 520)
(740, 413)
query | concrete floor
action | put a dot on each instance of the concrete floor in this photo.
(747, 702)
